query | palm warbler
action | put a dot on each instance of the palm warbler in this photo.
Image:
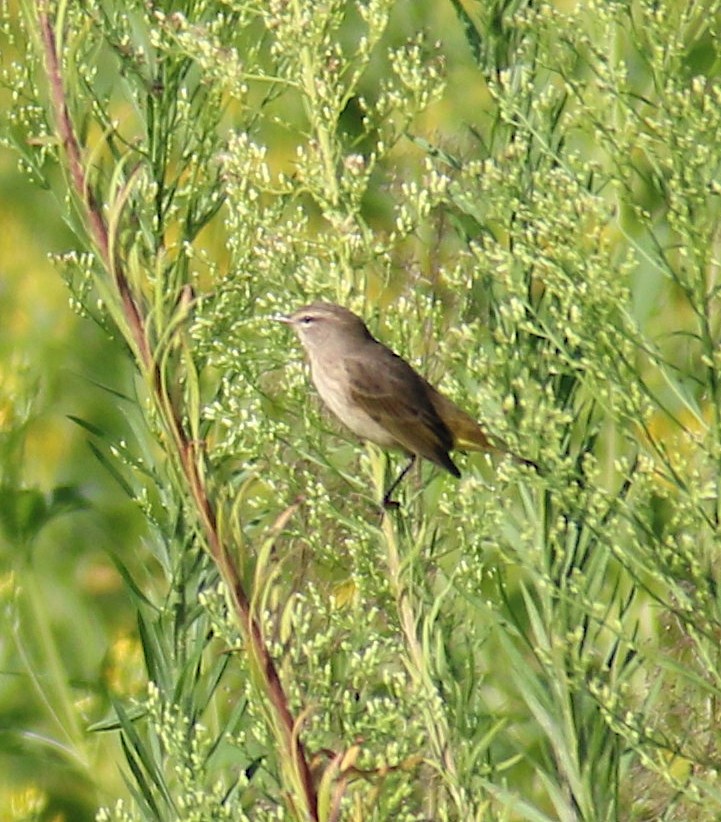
(379, 397)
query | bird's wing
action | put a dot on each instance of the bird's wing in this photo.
(392, 394)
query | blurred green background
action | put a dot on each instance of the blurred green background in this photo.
(62, 519)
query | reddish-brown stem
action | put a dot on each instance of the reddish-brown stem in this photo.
(186, 448)
(93, 213)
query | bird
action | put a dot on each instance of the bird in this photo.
(379, 397)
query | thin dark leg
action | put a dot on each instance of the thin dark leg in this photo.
(389, 503)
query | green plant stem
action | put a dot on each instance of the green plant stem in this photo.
(51, 685)
(417, 663)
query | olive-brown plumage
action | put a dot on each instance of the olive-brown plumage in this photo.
(378, 395)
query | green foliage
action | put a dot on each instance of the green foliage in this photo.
(527, 208)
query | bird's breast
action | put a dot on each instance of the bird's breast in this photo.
(334, 388)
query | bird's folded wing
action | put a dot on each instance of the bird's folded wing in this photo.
(396, 398)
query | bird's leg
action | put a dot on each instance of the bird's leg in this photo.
(389, 503)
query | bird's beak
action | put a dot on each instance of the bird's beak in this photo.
(282, 318)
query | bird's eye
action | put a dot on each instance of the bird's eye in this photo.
(307, 319)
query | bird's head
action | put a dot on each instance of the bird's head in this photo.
(326, 325)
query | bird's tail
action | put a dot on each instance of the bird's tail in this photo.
(468, 434)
